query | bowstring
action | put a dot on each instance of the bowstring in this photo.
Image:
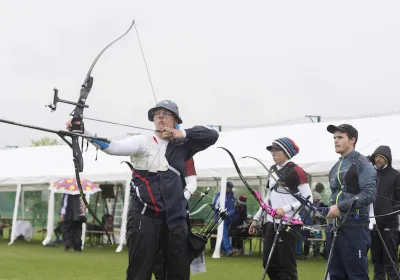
(310, 227)
(267, 194)
(155, 99)
(387, 198)
(145, 63)
(271, 174)
(120, 124)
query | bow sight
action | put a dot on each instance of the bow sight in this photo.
(56, 99)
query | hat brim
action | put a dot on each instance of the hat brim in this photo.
(333, 128)
(151, 111)
(274, 146)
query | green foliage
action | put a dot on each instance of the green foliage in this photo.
(36, 205)
(7, 200)
(45, 141)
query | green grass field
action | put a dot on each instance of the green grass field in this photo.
(30, 260)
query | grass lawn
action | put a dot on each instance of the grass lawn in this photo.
(30, 260)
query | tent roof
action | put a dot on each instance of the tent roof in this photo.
(35, 165)
(317, 154)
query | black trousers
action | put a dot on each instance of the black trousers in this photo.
(283, 265)
(237, 237)
(72, 234)
(147, 237)
(382, 264)
(158, 267)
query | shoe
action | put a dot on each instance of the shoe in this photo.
(238, 252)
(231, 253)
(68, 249)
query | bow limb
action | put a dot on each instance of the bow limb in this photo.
(88, 82)
(78, 181)
(77, 113)
(78, 162)
(260, 162)
(322, 210)
(88, 75)
(77, 125)
(269, 210)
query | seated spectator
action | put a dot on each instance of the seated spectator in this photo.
(239, 227)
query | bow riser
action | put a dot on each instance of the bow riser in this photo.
(269, 210)
(77, 126)
(80, 105)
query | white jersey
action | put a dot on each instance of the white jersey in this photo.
(279, 198)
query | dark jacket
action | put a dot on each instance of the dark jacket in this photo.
(239, 217)
(388, 193)
(353, 182)
(74, 209)
(160, 194)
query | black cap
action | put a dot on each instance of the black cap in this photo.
(346, 128)
(229, 185)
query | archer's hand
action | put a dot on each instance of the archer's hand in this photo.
(334, 212)
(69, 124)
(253, 228)
(280, 213)
(171, 133)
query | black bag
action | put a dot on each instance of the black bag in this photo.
(196, 246)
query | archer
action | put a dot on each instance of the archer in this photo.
(293, 177)
(157, 219)
(353, 185)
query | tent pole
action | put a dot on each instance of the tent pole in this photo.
(220, 231)
(23, 203)
(83, 236)
(124, 218)
(50, 219)
(15, 214)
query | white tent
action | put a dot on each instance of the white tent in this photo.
(35, 166)
(44, 164)
(317, 154)
(38, 165)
